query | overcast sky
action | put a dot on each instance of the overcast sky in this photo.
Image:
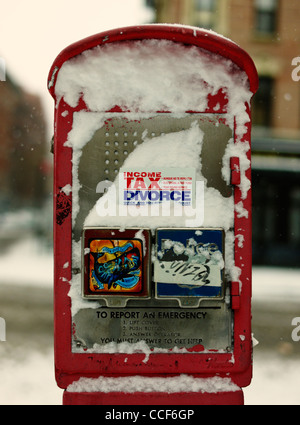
(34, 32)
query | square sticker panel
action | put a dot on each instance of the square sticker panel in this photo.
(189, 263)
(115, 265)
(115, 262)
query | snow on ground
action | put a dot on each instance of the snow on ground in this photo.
(31, 381)
(275, 381)
(27, 262)
(276, 284)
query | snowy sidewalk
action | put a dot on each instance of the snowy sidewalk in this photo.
(275, 382)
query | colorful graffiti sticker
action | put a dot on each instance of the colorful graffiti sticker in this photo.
(115, 266)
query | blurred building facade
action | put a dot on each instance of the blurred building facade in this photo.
(23, 164)
(269, 31)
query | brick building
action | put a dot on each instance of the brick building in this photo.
(269, 31)
(22, 148)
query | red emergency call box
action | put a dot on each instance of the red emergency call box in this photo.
(152, 212)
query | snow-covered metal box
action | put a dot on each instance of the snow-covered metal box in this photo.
(152, 196)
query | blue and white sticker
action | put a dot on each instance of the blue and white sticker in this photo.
(189, 263)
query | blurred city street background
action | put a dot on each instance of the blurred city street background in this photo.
(32, 37)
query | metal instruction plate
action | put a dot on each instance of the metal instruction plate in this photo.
(158, 327)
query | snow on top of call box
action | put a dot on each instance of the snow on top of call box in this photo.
(175, 384)
(152, 75)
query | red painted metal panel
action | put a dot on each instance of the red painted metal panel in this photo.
(70, 366)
